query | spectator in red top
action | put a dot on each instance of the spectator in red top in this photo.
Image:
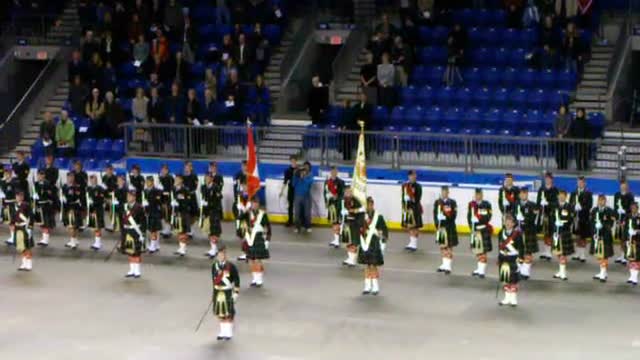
(585, 12)
(160, 46)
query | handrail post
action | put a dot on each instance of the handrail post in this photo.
(395, 158)
(471, 154)
(622, 162)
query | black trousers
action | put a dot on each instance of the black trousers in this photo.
(562, 152)
(582, 156)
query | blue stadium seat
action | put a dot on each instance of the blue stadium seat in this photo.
(482, 97)
(445, 96)
(426, 96)
(414, 115)
(501, 58)
(536, 99)
(117, 150)
(463, 96)
(311, 139)
(397, 116)
(492, 119)
(433, 117)
(517, 58)
(419, 75)
(492, 77)
(512, 120)
(435, 75)
(510, 78)
(472, 118)
(380, 116)
(472, 76)
(87, 147)
(501, 98)
(409, 95)
(519, 98)
(440, 35)
(453, 118)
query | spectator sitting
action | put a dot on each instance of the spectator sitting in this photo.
(225, 72)
(48, 133)
(94, 110)
(140, 106)
(211, 82)
(173, 16)
(232, 98)
(531, 15)
(209, 105)
(544, 58)
(302, 183)
(113, 117)
(89, 46)
(155, 65)
(227, 48)
(78, 93)
(179, 69)
(76, 66)
(193, 109)
(363, 110)
(95, 71)
(140, 50)
(386, 80)
(155, 83)
(65, 135)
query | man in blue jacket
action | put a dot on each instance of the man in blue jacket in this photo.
(302, 182)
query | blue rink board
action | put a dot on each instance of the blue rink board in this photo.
(266, 170)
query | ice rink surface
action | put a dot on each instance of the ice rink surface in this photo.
(74, 305)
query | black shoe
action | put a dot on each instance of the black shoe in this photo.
(410, 249)
(575, 258)
(95, 248)
(109, 230)
(374, 293)
(227, 338)
(440, 270)
(447, 272)
(583, 260)
(513, 305)
(481, 276)
(258, 286)
(253, 284)
(43, 244)
(137, 276)
(524, 277)
(166, 236)
(220, 338)
(603, 280)
(474, 274)
(129, 276)
(366, 292)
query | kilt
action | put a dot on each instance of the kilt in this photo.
(351, 231)
(214, 220)
(166, 210)
(564, 245)
(373, 255)
(447, 236)
(22, 239)
(334, 209)
(132, 245)
(583, 229)
(508, 267)
(530, 242)
(602, 248)
(223, 306)
(258, 251)
(96, 217)
(633, 251)
(482, 242)
(412, 217)
(72, 218)
(45, 216)
(154, 222)
(182, 223)
(8, 210)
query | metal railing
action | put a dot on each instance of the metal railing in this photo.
(394, 150)
(32, 29)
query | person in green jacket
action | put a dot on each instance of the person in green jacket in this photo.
(65, 135)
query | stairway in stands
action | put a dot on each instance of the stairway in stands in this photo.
(67, 25)
(592, 91)
(364, 10)
(607, 158)
(351, 87)
(272, 72)
(284, 137)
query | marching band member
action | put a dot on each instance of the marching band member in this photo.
(136, 180)
(445, 211)
(133, 243)
(21, 222)
(152, 204)
(166, 184)
(373, 241)
(546, 201)
(526, 213)
(110, 183)
(8, 187)
(72, 206)
(211, 216)
(353, 215)
(81, 179)
(256, 241)
(412, 210)
(563, 215)
(190, 181)
(509, 243)
(181, 207)
(479, 214)
(582, 201)
(333, 199)
(43, 198)
(226, 288)
(119, 200)
(622, 201)
(52, 175)
(240, 202)
(603, 218)
(633, 243)
(96, 195)
(21, 171)
(507, 195)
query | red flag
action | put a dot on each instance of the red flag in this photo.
(253, 178)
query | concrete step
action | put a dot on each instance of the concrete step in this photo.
(602, 49)
(601, 56)
(589, 97)
(285, 137)
(281, 144)
(595, 69)
(277, 152)
(591, 104)
(594, 76)
(591, 90)
(272, 75)
(594, 83)
(599, 62)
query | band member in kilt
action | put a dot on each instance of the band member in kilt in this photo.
(603, 219)
(622, 201)
(226, 288)
(633, 243)
(133, 242)
(152, 205)
(412, 210)
(527, 213)
(333, 198)
(110, 183)
(166, 184)
(353, 214)
(479, 215)
(8, 187)
(81, 179)
(43, 198)
(507, 195)
(71, 209)
(373, 241)
(256, 241)
(445, 211)
(96, 195)
(21, 222)
(240, 202)
(563, 215)
(509, 244)
(21, 171)
(190, 181)
(582, 201)
(136, 180)
(181, 207)
(211, 212)
(118, 202)
(52, 175)
(546, 201)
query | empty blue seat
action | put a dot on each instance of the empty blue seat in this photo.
(473, 76)
(409, 95)
(445, 96)
(273, 33)
(482, 97)
(453, 118)
(501, 98)
(492, 77)
(536, 99)
(433, 116)
(426, 96)
(103, 148)
(87, 147)
(118, 149)
(518, 58)
(419, 75)
(440, 35)
(472, 118)
(432, 55)
(501, 58)
(380, 116)
(435, 75)
(519, 98)
(424, 33)
(510, 78)
(414, 116)
(397, 115)
(512, 120)
(492, 118)
(528, 78)
(463, 97)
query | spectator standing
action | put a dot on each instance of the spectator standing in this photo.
(302, 183)
(401, 60)
(514, 17)
(76, 67)
(585, 14)
(573, 50)
(140, 106)
(95, 71)
(581, 130)
(223, 15)
(386, 75)
(287, 186)
(156, 113)
(262, 101)
(561, 127)
(211, 82)
(175, 106)
(48, 133)
(318, 100)
(549, 34)
(243, 56)
(65, 135)
(546, 7)
(94, 110)
(141, 50)
(188, 40)
(565, 10)
(531, 15)
(209, 108)
(108, 48)
(113, 117)
(193, 108)
(136, 28)
(179, 69)
(173, 16)
(160, 46)
(89, 46)
(78, 93)
(369, 80)
(233, 97)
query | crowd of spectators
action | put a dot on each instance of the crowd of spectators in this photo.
(159, 62)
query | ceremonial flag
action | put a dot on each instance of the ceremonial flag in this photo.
(253, 178)
(359, 180)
